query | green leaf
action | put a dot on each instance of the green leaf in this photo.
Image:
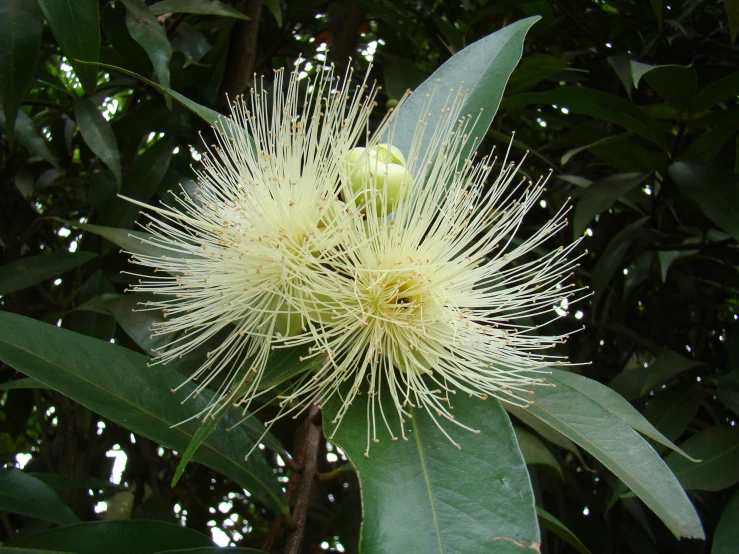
(21, 25)
(667, 365)
(668, 257)
(24, 383)
(551, 523)
(146, 30)
(117, 384)
(732, 12)
(657, 7)
(676, 84)
(76, 27)
(726, 536)
(400, 74)
(535, 451)
(615, 404)
(98, 135)
(618, 447)
(213, 550)
(533, 70)
(672, 410)
(481, 70)
(62, 484)
(713, 189)
(720, 91)
(611, 258)
(274, 7)
(424, 495)
(202, 7)
(27, 135)
(130, 241)
(23, 494)
(32, 270)
(14, 550)
(717, 448)
(203, 432)
(622, 67)
(707, 146)
(601, 195)
(141, 536)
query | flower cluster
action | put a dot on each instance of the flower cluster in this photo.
(401, 272)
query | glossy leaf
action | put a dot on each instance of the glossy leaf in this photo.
(442, 498)
(23, 494)
(601, 195)
(615, 404)
(76, 27)
(98, 135)
(32, 270)
(534, 451)
(117, 384)
(713, 189)
(21, 24)
(618, 447)
(480, 72)
(676, 84)
(141, 536)
(146, 30)
(717, 448)
(551, 523)
(726, 537)
(666, 366)
(202, 7)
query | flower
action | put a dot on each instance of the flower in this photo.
(265, 215)
(433, 292)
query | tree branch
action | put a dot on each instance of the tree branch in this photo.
(241, 53)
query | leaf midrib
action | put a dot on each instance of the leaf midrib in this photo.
(427, 479)
(145, 412)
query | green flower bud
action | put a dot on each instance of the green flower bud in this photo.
(288, 323)
(380, 182)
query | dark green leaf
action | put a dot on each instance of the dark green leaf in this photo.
(551, 523)
(534, 451)
(213, 550)
(707, 146)
(667, 365)
(27, 135)
(720, 91)
(676, 84)
(117, 384)
(14, 550)
(532, 70)
(21, 24)
(622, 67)
(657, 7)
(32, 270)
(732, 12)
(23, 494)
(400, 75)
(203, 432)
(717, 448)
(98, 135)
(24, 383)
(141, 536)
(76, 27)
(714, 189)
(202, 7)
(726, 536)
(274, 7)
(668, 257)
(620, 449)
(671, 410)
(441, 493)
(481, 70)
(146, 30)
(61, 484)
(601, 195)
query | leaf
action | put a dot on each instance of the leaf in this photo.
(61, 484)
(23, 494)
(202, 7)
(713, 189)
(732, 13)
(676, 84)
(98, 135)
(551, 523)
(13, 550)
(141, 536)
(657, 7)
(21, 25)
(667, 365)
(76, 27)
(274, 7)
(534, 451)
(203, 432)
(400, 74)
(24, 383)
(441, 487)
(213, 550)
(671, 410)
(146, 30)
(532, 70)
(27, 135)
(707, 146)
(480, 71)
(32, 270)
(601, 195)
(668, 257)
(622, 67)
(717, 448)
(618, 447)
(719, 91)
(116, 383)
(611, 258)
(130, 241)
(615, 404)
(726, 536)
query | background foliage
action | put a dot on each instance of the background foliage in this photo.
(632, 104)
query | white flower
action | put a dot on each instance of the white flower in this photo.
(264, 217)
(436, 298)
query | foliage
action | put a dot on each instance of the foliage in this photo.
(633, 106)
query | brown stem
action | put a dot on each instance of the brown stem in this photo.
(345, 25)
(241, 53)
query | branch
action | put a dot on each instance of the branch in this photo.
(241, 53)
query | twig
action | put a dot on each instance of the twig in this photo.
(334, 474)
